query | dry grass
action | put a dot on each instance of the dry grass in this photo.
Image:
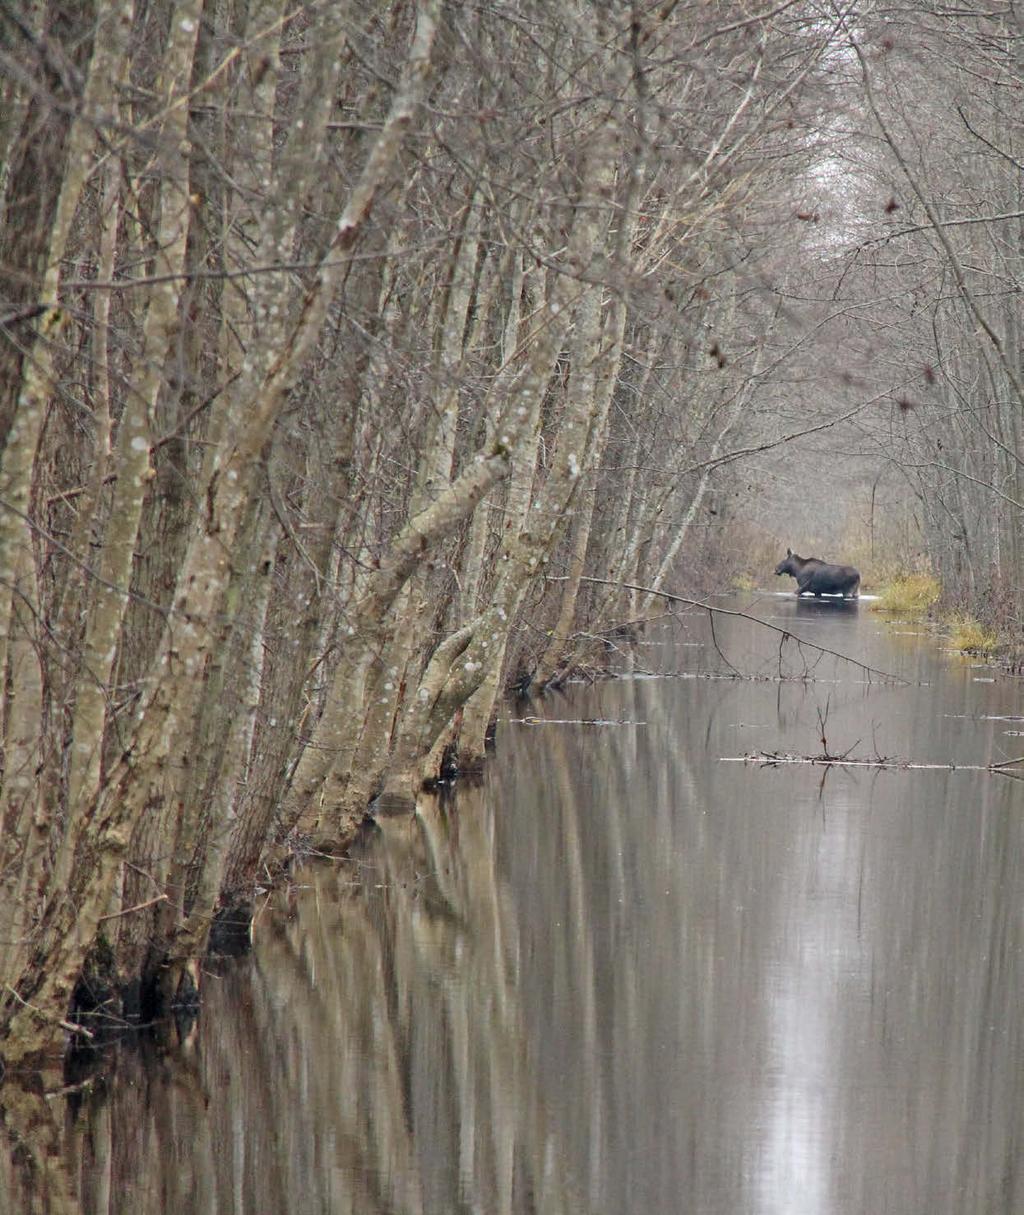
(970, 636)
(908, 595)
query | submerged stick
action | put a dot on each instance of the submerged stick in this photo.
(771, 759)
(572, 721)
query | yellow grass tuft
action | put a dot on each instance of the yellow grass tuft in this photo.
(966, 634)
(908, 595)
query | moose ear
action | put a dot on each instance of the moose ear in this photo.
(789, 552)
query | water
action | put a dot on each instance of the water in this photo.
(623, 975)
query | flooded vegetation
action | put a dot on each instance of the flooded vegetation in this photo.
(620, 975)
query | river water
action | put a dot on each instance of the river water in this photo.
(625, 974)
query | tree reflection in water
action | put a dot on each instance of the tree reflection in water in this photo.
(370, 1058)
(620, 976)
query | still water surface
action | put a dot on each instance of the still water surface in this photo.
(625, 976)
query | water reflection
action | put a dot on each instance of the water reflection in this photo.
(620, 977)
(809, 606)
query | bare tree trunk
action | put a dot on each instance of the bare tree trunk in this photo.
(602, 387)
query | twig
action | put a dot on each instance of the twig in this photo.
(70, 1026)
(69, 1089)
(1008, 763)
(718, 648)
(116, 915)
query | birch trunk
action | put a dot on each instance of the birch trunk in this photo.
(135, 433)
(558, 656)
(347, 793)
(295, 648)
(479, 708)
(525, 553)
(21, 809)
(473, 562)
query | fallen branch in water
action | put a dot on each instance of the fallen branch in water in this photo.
(571, 721)
(773, 759)
(986, 716)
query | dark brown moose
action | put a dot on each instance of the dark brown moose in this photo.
(820, 577)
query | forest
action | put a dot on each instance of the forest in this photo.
(362, 363)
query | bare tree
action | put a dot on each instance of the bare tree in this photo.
(336, 330)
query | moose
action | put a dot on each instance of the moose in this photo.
(820, 577)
